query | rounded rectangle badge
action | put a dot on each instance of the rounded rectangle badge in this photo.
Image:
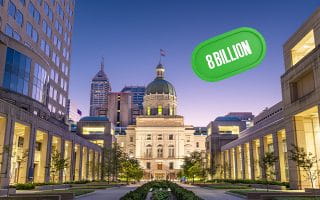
(228, 54)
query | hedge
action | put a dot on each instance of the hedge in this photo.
(248, 181)
(179, 192)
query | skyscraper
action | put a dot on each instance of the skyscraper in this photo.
(100, 88)
(42, 33)
(35, 44)
(137, 100)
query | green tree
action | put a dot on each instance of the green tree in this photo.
(194, 166)
(306, 161)
(58, 163)
(112, 158)
(130, 169)
(267, 164)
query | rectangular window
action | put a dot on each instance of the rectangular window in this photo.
(31, 32)
(302, 87)
(131, 139)
(159, 166)
(1, 2)
(303, 47)
(148, 165)
(171, 165)
(34, 12)
(15, 13)
(170, 137)
(17, 72)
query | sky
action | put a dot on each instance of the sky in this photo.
(130, 33)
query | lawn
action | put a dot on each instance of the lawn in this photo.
(235, 187)
(77, 192)
(296, 198)
(245, 192)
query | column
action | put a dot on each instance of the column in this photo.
(236, 163)
(6, 158)
(62, 156)
(261, 141)
(32, 142)
(276, 153)
(72, 162)
(80, 163)
(244, 164)
(251, 160)
(48, 157)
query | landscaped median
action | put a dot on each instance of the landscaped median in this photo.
(66, 190)
(161, 190)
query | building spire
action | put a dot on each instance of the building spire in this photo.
(102, 64)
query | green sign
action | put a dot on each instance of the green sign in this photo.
(228, 54)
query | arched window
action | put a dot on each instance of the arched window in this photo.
(149, 151)
(159, 151)
(171, 151)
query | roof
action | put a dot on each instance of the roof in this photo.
(94, 119)
(227, 118)
(100, 76)
(160, 86)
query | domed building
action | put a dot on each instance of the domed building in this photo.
(160, 139)
(160, 96)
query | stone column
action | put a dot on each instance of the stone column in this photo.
(72, 161)
(261, 141)
(244, 164)
(48, 157)
(80, 162)
(93, 165)
(251, 160)
(62, 147)
(7, 149)
(236, 163)
(276, 153)
(30, 162)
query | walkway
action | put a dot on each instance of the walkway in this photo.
(210, 194)
(113, 193)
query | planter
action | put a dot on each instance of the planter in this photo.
(272, 187)
(12, 191)
(52, 187)
(312, 191)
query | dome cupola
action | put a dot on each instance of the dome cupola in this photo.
(160, 96)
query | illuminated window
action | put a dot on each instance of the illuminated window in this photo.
(229, 129)
(171, 111)
(148, 111)
(98, 142)
(159, 110)
(92, 130)
(303, 47)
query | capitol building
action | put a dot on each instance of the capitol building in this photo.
(160, 140)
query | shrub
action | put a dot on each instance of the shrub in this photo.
(25, 186)
(160, 195)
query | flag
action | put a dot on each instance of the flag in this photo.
(162, 52)
(79, 112)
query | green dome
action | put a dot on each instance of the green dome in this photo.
(160, 86)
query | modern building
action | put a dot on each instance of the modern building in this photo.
(100, 88)
(292, 122)
(160, 139)
(243, 116)
(35, 45)
(137, 100)
(119, 108)
(220, 132)
(97, 129)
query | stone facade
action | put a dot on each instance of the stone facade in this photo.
(292, 122)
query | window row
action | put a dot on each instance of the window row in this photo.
(12, 33)
(159, 166)
(159, 137)
(15, 13)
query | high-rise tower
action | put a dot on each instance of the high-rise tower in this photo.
(100, 88)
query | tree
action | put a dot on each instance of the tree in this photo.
(130, 169)
(194, 166)
(112, 159)
(267, 164)
(58, 163)
(306, 161)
